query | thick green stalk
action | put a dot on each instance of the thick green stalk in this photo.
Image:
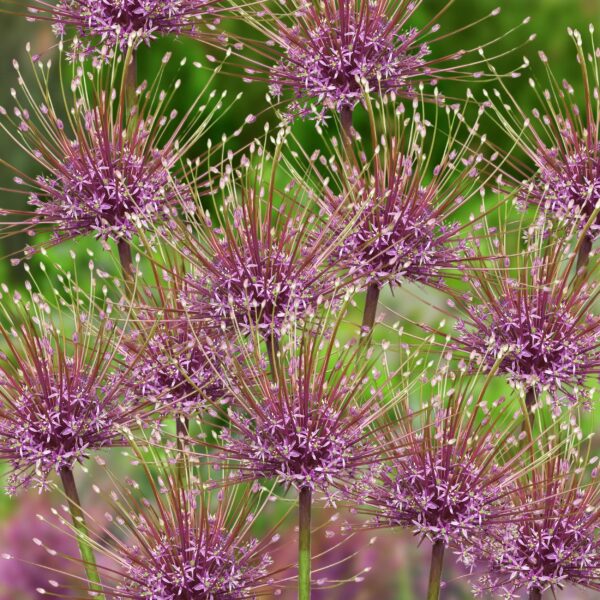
(83, 538)
(435, 573)
(371, 304)
(304, 561)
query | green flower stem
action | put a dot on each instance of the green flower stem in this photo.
(304, 559)
(435, 573)
(83, 538)
(535, 594)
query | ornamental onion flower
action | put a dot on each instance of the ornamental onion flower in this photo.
(63, 392)
(396, 212)
(316, 418)
(559, 139)
(457, 463)
(176, 364)
(63, 395)
(326, 54)
(266, 263)
(526, 312)
(547, 535)
(171, 538)
(107, 170)
(103, 25)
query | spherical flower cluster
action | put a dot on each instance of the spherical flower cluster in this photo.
(116, 23)
(267, 291)
(539, 339)
(333, 52)
(546, 536)
(298, 449)
(543, 553)
(568, 185)
(206, 565)
(106, 187)
(176, 373)
(399, 235)
(52, 423)
(442, 497)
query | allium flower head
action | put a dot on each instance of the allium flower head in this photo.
(180, 541)
(328, 55)
(107, 170)
(547, 536)
(317, 423)
(453, 470)
(62, 396)
(560, 141)
(109, 24)
(526, 314)
(177, 365)
(397, 211)
(266, 263)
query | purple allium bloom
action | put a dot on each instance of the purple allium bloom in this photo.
(539, 331)
(266, 265)
(560, 140)
(567, 184)
(108, 187)
(107, 170)
(175, 370)
(398, 210)
(181, 541)
(547, 536)
(117, 23)
(450, 475)
(60, 400)
(335, 47)
(316, 424)
(328, 55)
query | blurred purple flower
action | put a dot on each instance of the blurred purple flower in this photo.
(28, 569)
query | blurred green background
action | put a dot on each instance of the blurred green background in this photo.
(398, 565)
